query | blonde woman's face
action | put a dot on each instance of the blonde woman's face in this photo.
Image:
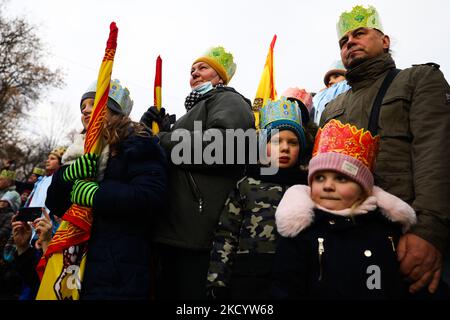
(334, 191)
(202, 72)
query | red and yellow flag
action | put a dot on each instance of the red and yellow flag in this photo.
(266, 88)
(157, 91)
(62, 266)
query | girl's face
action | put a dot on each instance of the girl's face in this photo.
(202, 72)
(283, 149)
(334, 191)
(52, 162)
(86, 110)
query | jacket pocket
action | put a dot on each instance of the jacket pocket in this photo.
(394, 117)
(334, 113)
(195, 190)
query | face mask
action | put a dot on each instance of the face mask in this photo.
(204, 87)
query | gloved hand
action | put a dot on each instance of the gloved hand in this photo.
(163, 119)
(83, 168)
(83, 193)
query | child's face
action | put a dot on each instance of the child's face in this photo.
(52, 162)
(283, 149)
(86, 110)
(4, 204)
(334, 191)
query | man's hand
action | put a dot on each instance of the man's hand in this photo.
(21, 232)
(420, 262)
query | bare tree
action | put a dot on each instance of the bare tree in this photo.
(23, 75)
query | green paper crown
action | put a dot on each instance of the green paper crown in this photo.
(8, 174)
(358, 17)
(225, 59)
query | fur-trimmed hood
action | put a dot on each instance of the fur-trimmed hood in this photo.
(296, 209)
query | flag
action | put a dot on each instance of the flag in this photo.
(266, 88)
(157, 91)
(61, 268)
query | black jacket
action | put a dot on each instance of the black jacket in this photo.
(132, 192)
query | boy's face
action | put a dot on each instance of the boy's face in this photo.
(4, 204)
(335, 191)
(283, 149)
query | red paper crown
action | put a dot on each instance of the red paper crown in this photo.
(349, 140)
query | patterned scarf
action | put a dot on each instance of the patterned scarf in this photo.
(195, 96)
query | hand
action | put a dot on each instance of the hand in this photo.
(43, 227)
(163, 120)
(83, 168)
(420, 262)
(21, 232)
(83, 193)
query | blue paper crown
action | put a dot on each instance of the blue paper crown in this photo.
(283, 114)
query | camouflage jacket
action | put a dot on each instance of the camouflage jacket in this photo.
(246, 227)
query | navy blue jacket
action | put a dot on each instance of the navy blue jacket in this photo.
(133, 190)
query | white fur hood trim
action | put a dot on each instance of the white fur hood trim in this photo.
(296, 209)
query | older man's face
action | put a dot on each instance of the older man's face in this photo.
(362, 44)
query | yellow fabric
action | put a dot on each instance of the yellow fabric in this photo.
(67, 285)
(266, 88)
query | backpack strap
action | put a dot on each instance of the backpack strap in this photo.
(375, 112)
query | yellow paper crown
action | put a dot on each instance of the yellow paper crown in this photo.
(58, 151)
(358, 17)
(8, 174)
(39, 171)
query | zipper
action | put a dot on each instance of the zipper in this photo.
(195, 191)
(392, 243)
(321, 251)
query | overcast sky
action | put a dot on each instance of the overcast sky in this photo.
(75, 34)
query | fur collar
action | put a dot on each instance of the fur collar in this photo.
(296, 209)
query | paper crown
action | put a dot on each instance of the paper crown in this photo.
(38, 171)
(358, 17)
(347, 140)
(118, 97)
(8, 174)
(58, 151)
(221, 61)
(282, 114)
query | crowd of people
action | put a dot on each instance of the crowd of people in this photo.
(355, 207)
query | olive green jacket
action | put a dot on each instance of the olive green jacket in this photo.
(414, 158)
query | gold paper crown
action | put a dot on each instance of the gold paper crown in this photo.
(39, 171)
(8, 174)
(358, 17)
(58, 151)
(221, 61)
(349, 140)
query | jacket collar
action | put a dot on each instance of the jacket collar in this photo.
(368, 71)
(296, 210)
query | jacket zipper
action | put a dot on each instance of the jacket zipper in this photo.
(196, 191)
(392, 243)
(321, 251)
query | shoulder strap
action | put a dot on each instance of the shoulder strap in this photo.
(375, 112)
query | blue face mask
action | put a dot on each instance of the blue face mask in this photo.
(204, 87)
